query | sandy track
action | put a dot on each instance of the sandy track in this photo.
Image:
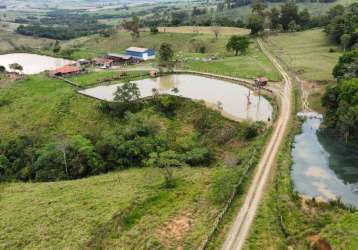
(239, 230)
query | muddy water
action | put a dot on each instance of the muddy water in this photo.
(32, 63)
(324, 168)
(235, 101)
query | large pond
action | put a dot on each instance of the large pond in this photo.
(324, 168)
(235, 101)
(32, 63)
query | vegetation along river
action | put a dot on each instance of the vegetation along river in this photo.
(323, 167)
(235, 101)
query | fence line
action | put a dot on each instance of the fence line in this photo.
(229, 202)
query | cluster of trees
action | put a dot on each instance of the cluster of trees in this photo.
(78, 156)
(139, 143)
(237, 3)
(286, 18)
(62, 25)
(341, 100)
(342, 25)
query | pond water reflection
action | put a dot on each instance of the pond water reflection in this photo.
(324, 167)
(236, 101)
(32, 63)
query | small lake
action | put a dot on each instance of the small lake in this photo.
(235, 101)
(323, 167)
(32, 63)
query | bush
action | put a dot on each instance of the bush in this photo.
(199, 156)
(166, 104)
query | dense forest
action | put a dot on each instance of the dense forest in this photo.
(61, 25)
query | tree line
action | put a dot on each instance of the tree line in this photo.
(341, 100)
(62, 25)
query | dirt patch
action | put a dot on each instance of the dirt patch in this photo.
(317, 243)
(174, 231)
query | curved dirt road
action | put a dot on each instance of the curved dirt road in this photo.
(241, 226)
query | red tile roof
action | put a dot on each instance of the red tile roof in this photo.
(68, 69)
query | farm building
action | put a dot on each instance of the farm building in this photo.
(141, 53)
(122, 59)
(66, 71)
(103, 61)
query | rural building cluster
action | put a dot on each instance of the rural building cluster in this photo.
(133, 55)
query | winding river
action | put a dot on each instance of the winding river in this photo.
(323, 167)
(233, 100)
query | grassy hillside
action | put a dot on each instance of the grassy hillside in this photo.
(128, 208)
(118, 210)
(315, 9)
(306, 52)
(43, 106)
(10, 42)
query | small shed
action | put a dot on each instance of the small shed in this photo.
(261, 81)
(66, 71)
(141, 53)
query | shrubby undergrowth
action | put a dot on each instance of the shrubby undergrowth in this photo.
(144, 140)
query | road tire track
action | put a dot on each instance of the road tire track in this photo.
(240, 228)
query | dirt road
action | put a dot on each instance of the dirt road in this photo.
(243, 221)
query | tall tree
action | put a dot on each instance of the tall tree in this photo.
(255, 23)
(132, 26)
(304, 18)
(238, 43)
(274, 16)
(166, 53)
(345, 41)
(289, 12)
(258, 7)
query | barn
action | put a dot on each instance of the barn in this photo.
(141, 53)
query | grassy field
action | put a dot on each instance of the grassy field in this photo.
(307, 53)
(249, 65)
(44, 106)
(117, 210)
(224, 31)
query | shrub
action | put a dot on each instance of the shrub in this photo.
(199, 156)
